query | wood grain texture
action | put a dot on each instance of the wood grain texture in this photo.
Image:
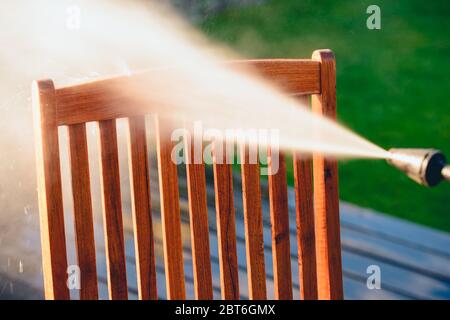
(226, 226)
(112, 211)
(141, 209)
(170, 212)
(105, 99)
(51, 216)
(279, 218)
(254, 243)
(82, 208)
(198, 217)
(305, 227)
(326, 195)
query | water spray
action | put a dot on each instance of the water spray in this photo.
(425, 166)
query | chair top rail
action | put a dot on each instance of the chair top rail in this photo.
(103, 99)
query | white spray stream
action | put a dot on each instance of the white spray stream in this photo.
(79, 40)
(62, 41)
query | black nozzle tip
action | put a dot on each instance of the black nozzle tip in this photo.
(433, 168)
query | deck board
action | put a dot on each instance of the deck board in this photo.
(396, 230)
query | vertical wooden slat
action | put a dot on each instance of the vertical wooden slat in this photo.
(170, 212)
(141, 209)
(112, 210)
(307, 272)
(226, 227)
(279, 217)
(326, 198)
(251, 194)
(305, 221)
(53, 242)
(198, 213)
(82, 203)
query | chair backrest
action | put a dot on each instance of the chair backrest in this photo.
(317, 213)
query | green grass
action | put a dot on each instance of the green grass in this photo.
(393, 84)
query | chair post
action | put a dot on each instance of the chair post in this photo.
(53, 243)
(326, 195)
(170, 211)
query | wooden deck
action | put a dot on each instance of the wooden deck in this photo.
(414, 260)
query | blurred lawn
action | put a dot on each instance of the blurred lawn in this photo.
(393, 84)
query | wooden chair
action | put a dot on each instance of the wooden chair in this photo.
(318, 231)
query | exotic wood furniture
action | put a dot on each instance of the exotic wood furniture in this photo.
(317, 213)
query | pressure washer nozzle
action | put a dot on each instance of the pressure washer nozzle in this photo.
(425, 166)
